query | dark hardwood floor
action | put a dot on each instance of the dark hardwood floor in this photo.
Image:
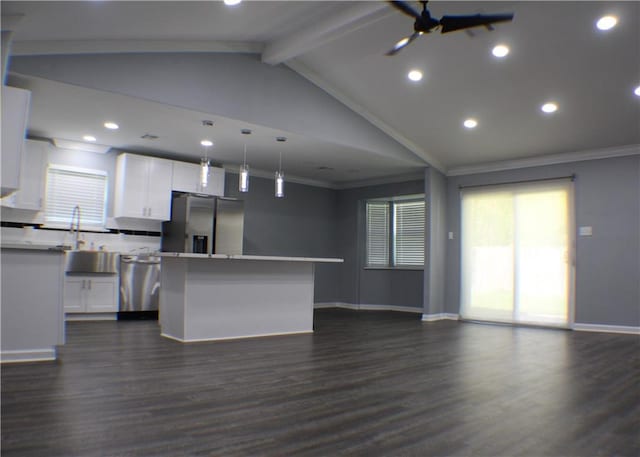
(365, 383)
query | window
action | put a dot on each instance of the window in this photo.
(395, 233)
(516, 241)
(68, 187)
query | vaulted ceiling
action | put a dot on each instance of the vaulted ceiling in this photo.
(556, 54)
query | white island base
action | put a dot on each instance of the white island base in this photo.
(218, 297)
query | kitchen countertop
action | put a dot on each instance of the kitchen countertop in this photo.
(249, 257)
(36, 246)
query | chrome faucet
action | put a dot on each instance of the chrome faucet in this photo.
(76, 214)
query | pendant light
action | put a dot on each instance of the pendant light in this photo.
(279, 173)
(204, 164)
(243, 182)
(243, 176)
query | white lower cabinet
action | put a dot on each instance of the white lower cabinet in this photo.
(91, 294)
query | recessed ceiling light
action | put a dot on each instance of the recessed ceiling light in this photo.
(111, 125)
(470, 123)
(549, 107)
(206, 143)
(415, 75)
(500, 50)
(607, 22)
(89, 138)
(637, 91)
(232, 2)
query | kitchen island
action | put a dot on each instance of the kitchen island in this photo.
(32, 315)
(206, 297)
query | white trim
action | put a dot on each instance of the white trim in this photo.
(440, 317)
(606, 328)
(74, 317)
(551, 159)
(28, 355)
(259, 335)
(49, 47)
(365, 307)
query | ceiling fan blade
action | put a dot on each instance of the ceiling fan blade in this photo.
(405, 8)
(400, 45)
(453, 23)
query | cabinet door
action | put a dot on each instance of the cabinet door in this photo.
(34, 159)
(131, 186)
(159, 189)
(186, 177)
(216, 182)
(74, 294)
(101, 295)
(15, 113)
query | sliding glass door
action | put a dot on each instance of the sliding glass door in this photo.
(516, 253)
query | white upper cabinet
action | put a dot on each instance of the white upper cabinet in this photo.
(15, 113)
(32, 178)
(186, 178)
(143, 188)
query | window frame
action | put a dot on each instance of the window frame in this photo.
(391, 203)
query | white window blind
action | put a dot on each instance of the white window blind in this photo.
(395, 232)
(68, 187)
(409, 233)
(377, 233)
(516, 243)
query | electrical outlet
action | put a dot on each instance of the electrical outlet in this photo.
(586, 230)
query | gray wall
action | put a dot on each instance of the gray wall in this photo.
(300, 224)
(435, 245)
(362, 286)
(607, 197)
(316, 222)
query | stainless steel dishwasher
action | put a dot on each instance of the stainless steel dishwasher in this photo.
(139, 286)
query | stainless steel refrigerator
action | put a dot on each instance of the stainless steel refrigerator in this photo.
(204, 225)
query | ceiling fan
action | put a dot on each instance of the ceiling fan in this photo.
(425, 23)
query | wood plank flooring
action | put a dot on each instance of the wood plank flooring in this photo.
(365, 383)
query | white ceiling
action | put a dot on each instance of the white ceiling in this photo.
(556, 54)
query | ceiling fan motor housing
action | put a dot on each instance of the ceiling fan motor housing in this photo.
(425, 23)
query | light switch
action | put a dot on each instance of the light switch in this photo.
(586, 230)
(450, 235)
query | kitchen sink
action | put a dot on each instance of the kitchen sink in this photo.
(91, 262)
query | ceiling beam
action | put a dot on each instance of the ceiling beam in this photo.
(52, 47)
(319, 32)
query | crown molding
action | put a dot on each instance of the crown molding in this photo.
(50, 47)
(554, 159)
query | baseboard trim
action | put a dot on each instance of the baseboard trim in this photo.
(606, 328)
(230, 338)
(440, 317)
(29, 355)
(365, 307)
(70, 317)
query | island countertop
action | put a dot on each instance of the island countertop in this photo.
(250, 257)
